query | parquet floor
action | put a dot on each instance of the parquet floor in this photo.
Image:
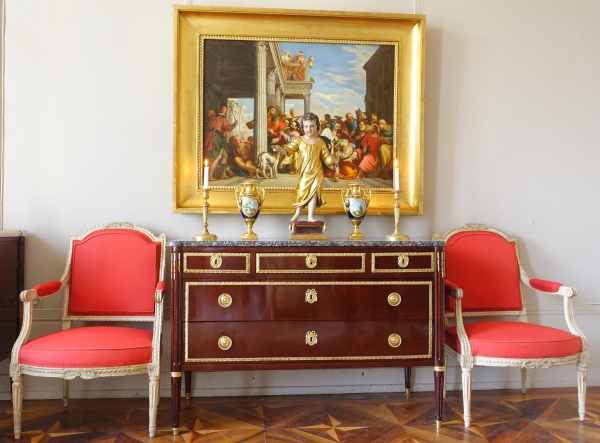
(543, 415)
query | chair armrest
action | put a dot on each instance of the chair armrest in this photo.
(548, 286)
(161, 288)
(568, 292)
(452, 290)
(42, 290)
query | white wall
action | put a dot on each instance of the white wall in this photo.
(512, 130)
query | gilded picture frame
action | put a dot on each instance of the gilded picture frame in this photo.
(227, 59)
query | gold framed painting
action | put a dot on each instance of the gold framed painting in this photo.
(243, 78)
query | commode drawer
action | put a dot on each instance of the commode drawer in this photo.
(307, 340)
(298, 300)
(392, 262)
(216, 262)
(310, 262)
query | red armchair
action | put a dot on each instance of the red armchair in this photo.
(484, 278)
(113, 273)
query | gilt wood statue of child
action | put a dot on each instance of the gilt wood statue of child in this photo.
(311, 150)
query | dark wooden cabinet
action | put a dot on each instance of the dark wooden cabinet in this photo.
(302, 305)
(12, 245)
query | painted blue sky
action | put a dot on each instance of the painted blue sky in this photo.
(340, 79)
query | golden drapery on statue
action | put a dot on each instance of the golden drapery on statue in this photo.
(310, 170)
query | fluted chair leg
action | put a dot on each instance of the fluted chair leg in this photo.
(581, 388)
(17, 394)
(524, 380)
(153, 399)
(65, 393)
(466, 382)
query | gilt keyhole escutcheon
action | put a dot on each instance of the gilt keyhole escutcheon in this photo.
(311, 261)
(216, 261)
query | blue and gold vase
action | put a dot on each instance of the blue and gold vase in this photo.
(250, 196)
(356, 197)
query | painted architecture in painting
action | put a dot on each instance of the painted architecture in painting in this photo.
(255, 92)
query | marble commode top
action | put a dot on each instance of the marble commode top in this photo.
(311, 243)
(13, 233)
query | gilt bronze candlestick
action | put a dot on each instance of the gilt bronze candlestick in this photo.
(205, 236)
(397, 235)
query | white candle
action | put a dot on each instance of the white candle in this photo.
(205, 174)
(396, 175)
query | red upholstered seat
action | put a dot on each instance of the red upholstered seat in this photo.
(89, 347)
(512, 339)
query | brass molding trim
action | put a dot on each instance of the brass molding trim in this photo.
(313, 259)
(176, 374)
(400, 255)
(293, 359)
(187, 358)
(307, 283)
(216, 263)
(439, 368)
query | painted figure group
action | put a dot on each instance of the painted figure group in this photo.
(294, 67)
(304, 146)
(363, 145)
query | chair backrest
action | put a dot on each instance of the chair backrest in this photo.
(114, 272)
(485, 265)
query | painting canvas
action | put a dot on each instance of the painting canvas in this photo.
(251, 90)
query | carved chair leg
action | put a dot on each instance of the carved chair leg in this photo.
(581, 388)
(153, 399)
(524, 380)
(65, 393)
(17, 398)
(466, 382)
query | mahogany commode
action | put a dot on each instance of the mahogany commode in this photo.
(305, 305)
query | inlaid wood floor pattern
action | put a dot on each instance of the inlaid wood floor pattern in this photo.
(542, 415)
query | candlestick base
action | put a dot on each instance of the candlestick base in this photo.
(205, 237)
(397, 236)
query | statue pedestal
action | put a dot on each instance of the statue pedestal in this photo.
(306, 230)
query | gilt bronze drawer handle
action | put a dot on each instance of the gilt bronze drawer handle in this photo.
(225, 343)
(216, 261)
(394, 340)
(394, 299)
(311, 261)
(311, 296)
(403, 260)
(225, 300)
(311, 338)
